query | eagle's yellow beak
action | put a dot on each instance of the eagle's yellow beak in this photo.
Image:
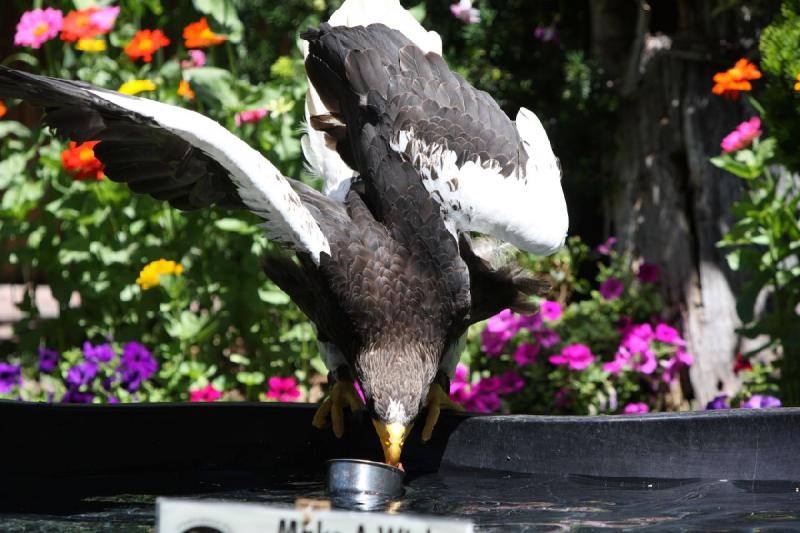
(392, 438)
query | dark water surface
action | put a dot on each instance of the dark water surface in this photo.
(495, 502)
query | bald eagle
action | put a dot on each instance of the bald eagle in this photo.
(414, 160)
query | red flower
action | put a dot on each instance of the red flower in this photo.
(734, 80)
(741, 363)
(79, 160)
(145, 43)
(3, 109)
(199, 35)
(78, 25)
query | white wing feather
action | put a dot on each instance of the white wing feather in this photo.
(261, 186)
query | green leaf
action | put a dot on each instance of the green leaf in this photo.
(250, 378)
(239, 359)
(212, 83)
(12, 167)
(273, 296)
(235, 225)
(223, 12)
(12, 127)
(738, 168)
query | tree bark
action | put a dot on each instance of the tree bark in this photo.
(669, 204)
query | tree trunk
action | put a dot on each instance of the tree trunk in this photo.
(669, 204)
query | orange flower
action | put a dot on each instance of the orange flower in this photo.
(79, 160)
(734, 80)
(185, 90)
(3, 109)
(145, 43)
(78, 25)
(199, 35)
(796, 85)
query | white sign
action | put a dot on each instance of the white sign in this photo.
(201, 516)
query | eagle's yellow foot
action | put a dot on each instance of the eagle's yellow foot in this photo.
(343, 393)
(437, 400)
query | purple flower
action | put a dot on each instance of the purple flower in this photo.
(10, 376)
(464, 12)
(720, 402)
(635, 408)
(605, 248)
(546, 34)
(648, 273)
(611, 288)
(530, 322)
(81, 374)
(102, 353)
(526, 354)
(577, 356)
(75, 396)
(547, 338)
(487, 385)
(137, 365)
(48, 359)
(757, 401)
(668, 335)
(562, 397)
(550, 310)
(511, 382)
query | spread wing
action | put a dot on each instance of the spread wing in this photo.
(172, 154)
(487, 173)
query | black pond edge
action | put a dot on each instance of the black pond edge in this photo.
(146, 445)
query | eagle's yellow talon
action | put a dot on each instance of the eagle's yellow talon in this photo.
(343, 393)
(437, 400)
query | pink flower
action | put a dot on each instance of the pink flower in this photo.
(562, 397)
(635, 408)
(511, 382)
(526, 354)
(673, 366)
(547, 338)
(668, 335)
(530, 322)
(611, 288)
(483, 403)
(742, 136)
(104, 18)
(283, 389)
(550, 310)
(499, 330)
(546, 34)
(605, 248)
(357, 386)
(645, 362)
(37, 26)
(624, 325)
(206, 394)
(615, 366)
(648, 273)
(577, 356)
(251, 115)
(197, 58)
(464, 12)
(459, 387)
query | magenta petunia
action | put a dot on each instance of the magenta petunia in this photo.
(668, 335)
(530, 322)
(283, 389)
(486, 402)
(37, 26)
(550, 310)
(207, 394)
(547, 337)
(645, 362)
(498, 331)
(459, 386)
(636, 408)
(648, 273)
(612, 288)
(577, 356)
(510, 382)
(526, 353)
(742, 136)
(606, 247)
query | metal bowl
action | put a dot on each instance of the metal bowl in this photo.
(360, 484)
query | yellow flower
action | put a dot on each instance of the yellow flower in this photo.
(136, 86)
(185, 90)
(150, 276)
(797, 85)
(91, 45)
